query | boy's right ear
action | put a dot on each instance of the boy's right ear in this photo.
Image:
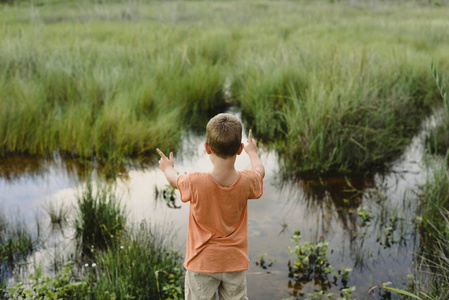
(207, 147)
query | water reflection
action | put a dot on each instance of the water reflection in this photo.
(17, 167)
(331, 196)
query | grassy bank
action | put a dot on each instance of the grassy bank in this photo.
(335, 88)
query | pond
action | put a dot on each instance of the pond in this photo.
(368, 222)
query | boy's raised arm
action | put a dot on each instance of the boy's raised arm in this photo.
(167, 164)
(251, 148)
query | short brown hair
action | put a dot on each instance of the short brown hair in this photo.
(224, 135)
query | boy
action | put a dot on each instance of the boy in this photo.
(217, 235)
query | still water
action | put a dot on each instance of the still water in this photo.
(368, 222)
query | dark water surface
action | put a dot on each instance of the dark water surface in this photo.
(376, 251)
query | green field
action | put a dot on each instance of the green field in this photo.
(333, 87)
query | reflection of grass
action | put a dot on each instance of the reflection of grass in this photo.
(100, 218)
(15, 245)
(58, 214)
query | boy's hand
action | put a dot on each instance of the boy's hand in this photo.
(250, 146)
(165, 162)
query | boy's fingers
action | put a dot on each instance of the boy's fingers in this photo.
(171, 155)
(250, 135)
(161, 153)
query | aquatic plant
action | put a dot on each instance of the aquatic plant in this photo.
(168, 193)
(263, 262)
(100, 218)
(311, 259)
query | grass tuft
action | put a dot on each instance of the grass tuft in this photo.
(100, 218)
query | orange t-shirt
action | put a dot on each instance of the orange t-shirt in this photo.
(217, 235)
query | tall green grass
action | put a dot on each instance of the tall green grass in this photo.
(337, 115)
(435, 201)
(89, 99)
(100, 218)
(332, 87)
(438, 139)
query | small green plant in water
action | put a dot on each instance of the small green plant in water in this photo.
(263, 262)
(364, 213)
(168, 193)
(345, 276)
(311, 259)
(346, 293)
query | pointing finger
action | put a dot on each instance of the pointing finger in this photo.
(161, 153)
(250, 135)
(171, 156)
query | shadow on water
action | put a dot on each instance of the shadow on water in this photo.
(342, 195)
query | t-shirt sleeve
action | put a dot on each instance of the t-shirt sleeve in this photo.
(256, 184)
(184, 187)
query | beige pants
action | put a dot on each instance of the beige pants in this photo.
(204, 286)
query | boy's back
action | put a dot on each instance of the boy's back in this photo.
(217, 247)
(217, 232)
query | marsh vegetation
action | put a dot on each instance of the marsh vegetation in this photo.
(337, 92)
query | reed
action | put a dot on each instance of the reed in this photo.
(438, 139)
(100, 218)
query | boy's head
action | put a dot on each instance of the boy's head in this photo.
(224, 135)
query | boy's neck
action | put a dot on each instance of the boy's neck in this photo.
(223, 164)
(224, 169)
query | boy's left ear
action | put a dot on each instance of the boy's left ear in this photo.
(207, 147)
(240, 149)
